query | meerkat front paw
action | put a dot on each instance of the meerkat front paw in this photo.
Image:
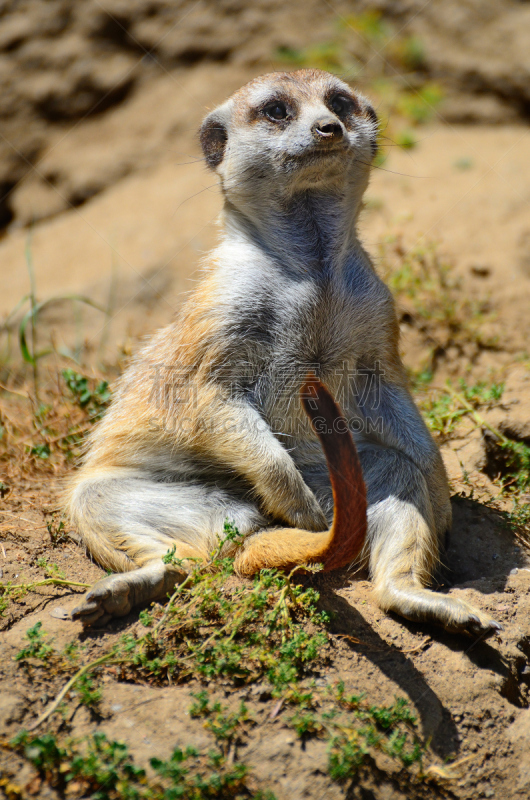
(306, 514)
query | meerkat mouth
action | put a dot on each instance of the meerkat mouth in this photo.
(313, 154)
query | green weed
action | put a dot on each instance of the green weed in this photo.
(103, 769)
(387, 728)
(53, 423)
(215, 629)
(37, 646)
(40, 450)
(443, 410)
(52, 570)
(519, 516)
(15, 591)
(225, 725)
(55, 528)
(93, 399)
(239, 634)
(87, 691)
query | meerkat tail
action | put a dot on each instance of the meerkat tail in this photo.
(286, 548)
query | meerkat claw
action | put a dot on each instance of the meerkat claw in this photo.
(482, 628)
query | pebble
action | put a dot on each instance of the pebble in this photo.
(60, 613)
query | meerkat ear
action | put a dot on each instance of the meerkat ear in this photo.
(213, 137)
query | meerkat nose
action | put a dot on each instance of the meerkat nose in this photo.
(328, 130)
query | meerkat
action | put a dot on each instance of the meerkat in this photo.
(206, 424)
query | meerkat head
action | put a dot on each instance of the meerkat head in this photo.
(290, 131)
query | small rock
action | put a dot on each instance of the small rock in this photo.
(60, 613)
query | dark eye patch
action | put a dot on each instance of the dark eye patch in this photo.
(341, 104)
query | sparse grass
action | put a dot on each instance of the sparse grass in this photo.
(221, 631)
(507, 462)
(92, 397)
(88, 691)
(104, 770)
(216, 628)
(429, 298)
(44, 439)
(444, 409)
(518, 517)
(15, 591)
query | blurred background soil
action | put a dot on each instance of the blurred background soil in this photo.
(99, 161)
(104, 196)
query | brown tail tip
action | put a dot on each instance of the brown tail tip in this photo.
(348, 531)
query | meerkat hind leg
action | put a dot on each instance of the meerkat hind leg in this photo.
(399, 535)
(404, 549)
(116, 595)
(130, 524)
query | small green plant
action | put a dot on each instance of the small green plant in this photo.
(231, 533)
(326, 56)
(169, 557)
(40, 450)
(92, 399)
(37, 646)
(429, 297)
(213, 629)
(55, 528)
(224, 724)
(52, 570)
(463, 163)
(443, 410)
(420, 106)
(405, 139)
(88, 691)
(517, 464)
(387, 728)
(30, 351)
(238, 634)
(519, 515)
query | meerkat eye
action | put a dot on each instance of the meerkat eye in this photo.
(275, 111)
(341, 105)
